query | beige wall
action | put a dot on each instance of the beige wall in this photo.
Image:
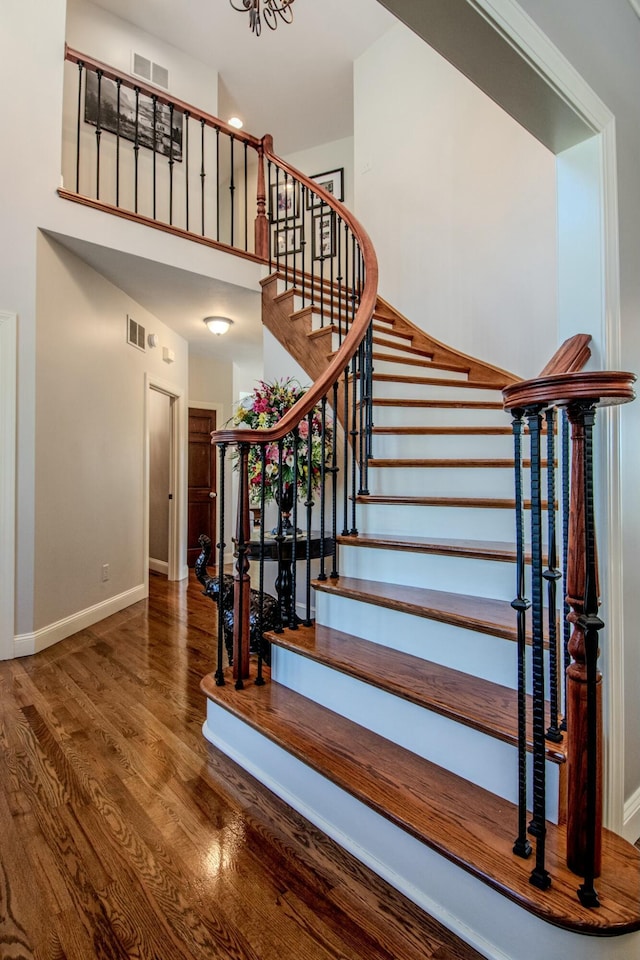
(90, 435)
(460, 203)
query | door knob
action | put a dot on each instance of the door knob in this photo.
(212, 494)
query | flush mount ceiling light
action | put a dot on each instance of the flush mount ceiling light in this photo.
(271, 10)
(218, 325)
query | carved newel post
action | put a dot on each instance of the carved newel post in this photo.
(242, 584)
(262, 224)
(584, 680)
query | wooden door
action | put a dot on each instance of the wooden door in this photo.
(202, 481)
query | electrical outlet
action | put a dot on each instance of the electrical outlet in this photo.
(105, 571)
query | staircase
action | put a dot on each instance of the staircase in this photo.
(391, 721)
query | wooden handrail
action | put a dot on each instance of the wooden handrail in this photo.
(90, 63)
(357, 328)
(604, 387)
(570, 357)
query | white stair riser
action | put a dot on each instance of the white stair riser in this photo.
(445, 481)
(482, 655)
(448, 445)
(491, 923)
(474, 523)
(432, 391)
(489, 578)
(482, 759)
(400, 416)
(426, 369)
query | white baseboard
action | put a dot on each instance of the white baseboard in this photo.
(26, 644)
(631, 821)
(159, 566)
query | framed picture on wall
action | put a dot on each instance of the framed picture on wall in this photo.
(285, 201)
(323, 237)
(332, 182)
(287, 240)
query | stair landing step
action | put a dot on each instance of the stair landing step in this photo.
(480, 614)
(478, 549)
(485, 503)
(464, 823)
(487, 707)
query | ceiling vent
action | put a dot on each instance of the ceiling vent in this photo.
(136, 334)
(147, 70)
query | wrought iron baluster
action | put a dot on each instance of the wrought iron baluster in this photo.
(187, 117)
(361, 411)
(270, 217)
(566, 626)
(78, 123)
(334, 482)
(171, 163)
(118, 89)
(246, 198)
(309, 507)
(99, 75)
(538, 827)
(279, 539)
(232, 188)
(293, 619)
(155, 152)
(345, 472)
(552, 575)
(354, 441)
(323, 483)
(339, 276)
(521, 847)
(242, 585)
(217, 183)
(203, 175)
(263, 476)
(136, 148)
(222, 452)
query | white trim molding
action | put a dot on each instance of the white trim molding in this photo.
(8, 418)
(26, 644)
(631, 826)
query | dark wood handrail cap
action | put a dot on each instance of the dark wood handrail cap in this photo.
(604, 387)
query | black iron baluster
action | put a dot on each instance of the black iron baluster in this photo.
(339, 276)
(246, 199)
(155, 150)
(218, 183)
(270, 215)
(276, 217)
(279, 539)
(361, 422)
(187, 116)
(78, 124)
(368, 401)
(303, 243)
(136, 149)
(118, 88)
(241, 553)
(552, 575)
(566, 626)
(171, 164)
(521, 847)
(354, 440)
(591, 624)
(323, 482)
(538, 827)
(222, 452)
(309, 506)
(232, 188)
(334, 482)
(98, 132)
(202, 173)
(293, 618)
(345, 474)
(261, 641)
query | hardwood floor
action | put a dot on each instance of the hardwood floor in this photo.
(124, 834)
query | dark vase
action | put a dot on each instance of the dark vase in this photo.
(286, 506)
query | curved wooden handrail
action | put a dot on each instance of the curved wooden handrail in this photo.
(351, 342)
(74, 56)
(606, 387)
(570, 357)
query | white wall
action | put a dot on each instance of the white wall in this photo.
(90, 435)
(324, 158)
(460, 203)
(602, 41)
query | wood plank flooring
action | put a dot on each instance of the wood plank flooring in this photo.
(124, 834)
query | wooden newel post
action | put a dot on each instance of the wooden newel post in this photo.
(262, 224)
(242, 584)
(584, 680)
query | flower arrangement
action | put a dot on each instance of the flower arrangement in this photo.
(264, 407)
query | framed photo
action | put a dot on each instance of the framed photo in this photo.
(332, 182)
(323, 238)
(168, 129)
(287, 240)
(285, 201)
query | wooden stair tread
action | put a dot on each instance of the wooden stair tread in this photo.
(448, 463)
(478, 549)
(480, 614)
(487, 707)
(445, 431)
(433, 381)
(389, 330)
(424, 363)
(468, 825)
(496, 503)
(404, 348)
(446, 404)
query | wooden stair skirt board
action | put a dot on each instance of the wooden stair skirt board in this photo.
(444, 843)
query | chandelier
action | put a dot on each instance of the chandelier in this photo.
(270, 10)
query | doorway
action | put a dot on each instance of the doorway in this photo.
(202, 481)
(160, 492)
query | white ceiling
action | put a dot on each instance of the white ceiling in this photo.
(295, 83)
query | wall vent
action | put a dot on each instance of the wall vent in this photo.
(136, 334)
(148, 70)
